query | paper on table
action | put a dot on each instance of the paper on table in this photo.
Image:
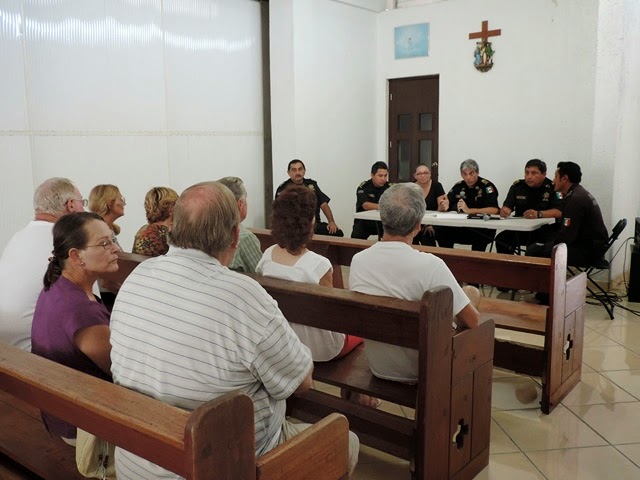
(451, 215)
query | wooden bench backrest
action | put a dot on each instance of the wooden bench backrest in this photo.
(214, 441)
(527, 273)
(385, 319)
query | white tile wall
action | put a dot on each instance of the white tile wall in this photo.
(13, 111)
(213, 66)
(219, 156)
(137, 93)
(95, 66)
(16, 185)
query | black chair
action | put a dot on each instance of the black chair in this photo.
(602, 264)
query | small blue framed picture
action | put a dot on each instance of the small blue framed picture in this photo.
(412, 40)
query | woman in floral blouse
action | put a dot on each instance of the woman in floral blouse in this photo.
(152, 239)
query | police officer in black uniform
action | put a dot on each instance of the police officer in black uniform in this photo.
(367, 197)
(296, 171)
(472, 195)
(531, 197)
(581, 228)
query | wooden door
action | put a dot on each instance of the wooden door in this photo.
(413, 126)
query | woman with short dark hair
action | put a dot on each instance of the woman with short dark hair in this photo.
(292, 222)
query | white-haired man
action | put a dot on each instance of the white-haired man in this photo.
(393, 268)
(25, 259)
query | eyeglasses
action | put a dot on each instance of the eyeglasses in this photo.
(83, 201)
(423, 173)
(107, 244)
(124, 202)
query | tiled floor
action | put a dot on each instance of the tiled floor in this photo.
(594, 434)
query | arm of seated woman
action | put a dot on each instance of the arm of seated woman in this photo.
(327, 279)
(94, 343)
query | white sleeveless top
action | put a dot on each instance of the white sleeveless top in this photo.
(309, 268)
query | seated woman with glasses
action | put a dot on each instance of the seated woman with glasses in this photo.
(434, 197)
(153, 239)
(292, 223)
(70, 324)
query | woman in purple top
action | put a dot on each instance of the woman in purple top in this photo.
(70, 324)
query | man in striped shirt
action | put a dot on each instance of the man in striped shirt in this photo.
(185, 329)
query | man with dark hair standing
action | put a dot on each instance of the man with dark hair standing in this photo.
(472, 195)
(530, 197)
(367, 197)
(296, 171)
(581, 227)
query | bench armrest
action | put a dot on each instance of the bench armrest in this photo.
(319, 452)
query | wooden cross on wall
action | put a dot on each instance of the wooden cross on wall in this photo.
(485, 33)
(483, 54)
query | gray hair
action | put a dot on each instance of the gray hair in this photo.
(205, 218)
(236, 186)
(401, 207)
(52, 195)
(471, 164)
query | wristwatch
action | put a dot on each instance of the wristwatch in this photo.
(539, 214)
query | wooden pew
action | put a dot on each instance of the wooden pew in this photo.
(449, 438)
(214, 441)
(559, 361)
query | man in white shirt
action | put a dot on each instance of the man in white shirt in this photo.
(25, 259)
(393, 268)
(186, 329)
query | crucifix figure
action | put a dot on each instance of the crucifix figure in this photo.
(483, 55)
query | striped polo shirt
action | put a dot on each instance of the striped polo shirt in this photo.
(185, 330)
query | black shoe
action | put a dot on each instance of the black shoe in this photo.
(503, 289)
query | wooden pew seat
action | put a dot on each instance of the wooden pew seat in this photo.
(517, 316)
(353, 373)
